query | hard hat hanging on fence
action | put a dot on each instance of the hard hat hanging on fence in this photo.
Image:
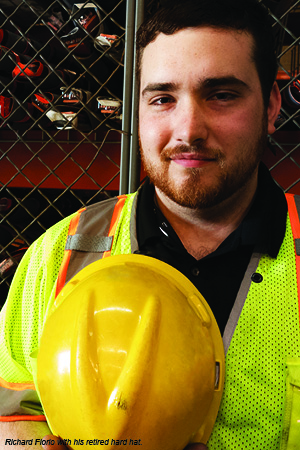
(131, 355)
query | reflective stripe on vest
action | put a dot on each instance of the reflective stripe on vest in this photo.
(61, 280)
(290, 436)
(293, 202)
(262, 343)
(88, 240)
(86, 246)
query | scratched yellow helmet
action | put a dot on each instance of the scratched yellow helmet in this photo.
(131, 355)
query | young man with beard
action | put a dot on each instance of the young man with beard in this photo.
(208, 99)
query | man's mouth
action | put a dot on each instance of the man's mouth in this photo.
(191, 159)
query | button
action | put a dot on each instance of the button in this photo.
(195, 271)
(256, 277)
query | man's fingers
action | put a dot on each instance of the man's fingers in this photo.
(56, 446)
(50, 438)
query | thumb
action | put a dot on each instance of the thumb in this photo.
(53, 443)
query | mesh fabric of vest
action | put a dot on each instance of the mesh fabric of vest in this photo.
(267, 333)
(30, 297)
(121, 244)
(32, 294)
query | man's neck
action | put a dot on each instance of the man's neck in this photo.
(201, 231)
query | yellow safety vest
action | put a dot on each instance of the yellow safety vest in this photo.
(248, 414)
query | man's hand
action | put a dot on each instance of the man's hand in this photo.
(57, 446)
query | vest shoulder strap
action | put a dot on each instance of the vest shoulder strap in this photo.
(294, 214)
(293, 202)
(90, 237)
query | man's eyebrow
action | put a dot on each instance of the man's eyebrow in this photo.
(158, 87)
(207, 83)
(210, 83)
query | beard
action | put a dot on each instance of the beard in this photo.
(194, 188)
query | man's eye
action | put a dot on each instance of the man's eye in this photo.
(223, 96)
(161, 101)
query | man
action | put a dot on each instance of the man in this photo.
(207, 102)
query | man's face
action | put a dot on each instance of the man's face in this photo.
(202, 122)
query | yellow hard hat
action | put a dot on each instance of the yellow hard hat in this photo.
(131, 354)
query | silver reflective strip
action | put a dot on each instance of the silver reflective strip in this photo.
(297, 203)
(240, 301)
(94, 223)
(133, 233)
(84, 243)
(297, 246)
(297, 241)
(96, 219)
(19, 402)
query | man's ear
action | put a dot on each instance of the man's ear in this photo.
(273, 107)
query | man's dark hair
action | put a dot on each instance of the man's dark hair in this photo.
(242, 15)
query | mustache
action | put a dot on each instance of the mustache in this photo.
(207, 152)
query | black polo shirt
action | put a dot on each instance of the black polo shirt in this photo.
(218, 275)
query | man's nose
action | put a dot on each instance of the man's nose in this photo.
(191, 123)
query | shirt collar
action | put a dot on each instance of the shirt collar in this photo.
(263, 227)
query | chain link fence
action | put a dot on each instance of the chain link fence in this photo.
(61, 103)
(61, 84)
(283, 159)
